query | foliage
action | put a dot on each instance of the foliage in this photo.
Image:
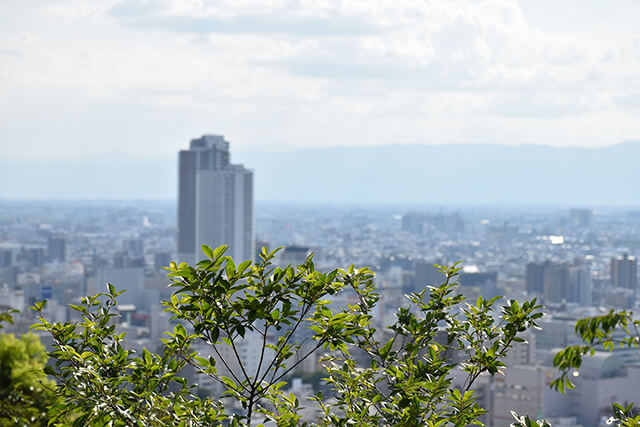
(600, 332)
(625, 416)
(526, 421)
(7, 316)
(409, 377)
(605, 331)
(106, 384)
(25, 391)
(401, 375)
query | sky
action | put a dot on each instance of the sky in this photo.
(142, 77)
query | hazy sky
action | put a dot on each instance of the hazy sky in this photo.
(82, 77)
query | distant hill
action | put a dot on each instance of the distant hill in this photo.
(456, 174)
(406, 174)
(108, 176)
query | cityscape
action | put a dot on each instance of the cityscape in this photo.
(578, 261)
(293, 213)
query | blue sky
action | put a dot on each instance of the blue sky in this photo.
(84, 77)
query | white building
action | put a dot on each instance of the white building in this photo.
(602, 380)
(13, 299)
(524, 390)
(522, 353)
(224, 211)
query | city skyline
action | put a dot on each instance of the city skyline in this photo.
(586, 264)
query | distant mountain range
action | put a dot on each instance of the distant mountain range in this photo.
(393, 174)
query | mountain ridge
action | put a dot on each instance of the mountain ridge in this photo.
(389, 174)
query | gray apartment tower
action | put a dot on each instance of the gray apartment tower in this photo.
(215, 201)
(624, 272)
(56, 247)
(559, 282)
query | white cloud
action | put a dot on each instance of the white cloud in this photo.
(149, 74)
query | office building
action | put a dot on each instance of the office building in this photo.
(31, 256)
(414, 222)
(581, 218)
(567, 283)
(560, 282)
(130, 279)
(624, 272)
(449, 222)
(56, 248)
(161, 260)
(6, 257)
(535, 277)
(426, 274)
(293, 256)
(122, 259)
(215, 201)
(133, 247)
(478, 279)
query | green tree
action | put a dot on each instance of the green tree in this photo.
(405, 374)
(25, 390)
(604, 332)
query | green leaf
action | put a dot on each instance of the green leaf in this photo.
(39, 305)
(207, 251)
(147, 356)
(229, 382)
(384, 351)
(219, 251)
(230, 268)
(180, 331)
(243, 266)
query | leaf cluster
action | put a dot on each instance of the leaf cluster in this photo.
(604, 332)
(25, 390)
(403, 374)
(409, 377)
(105, 383)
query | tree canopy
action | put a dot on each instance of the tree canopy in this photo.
(25, 391)
(422, 369)
(399, 375)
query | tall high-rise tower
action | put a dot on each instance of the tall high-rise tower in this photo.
(215, 201)
(624, 272)
(56, 248)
